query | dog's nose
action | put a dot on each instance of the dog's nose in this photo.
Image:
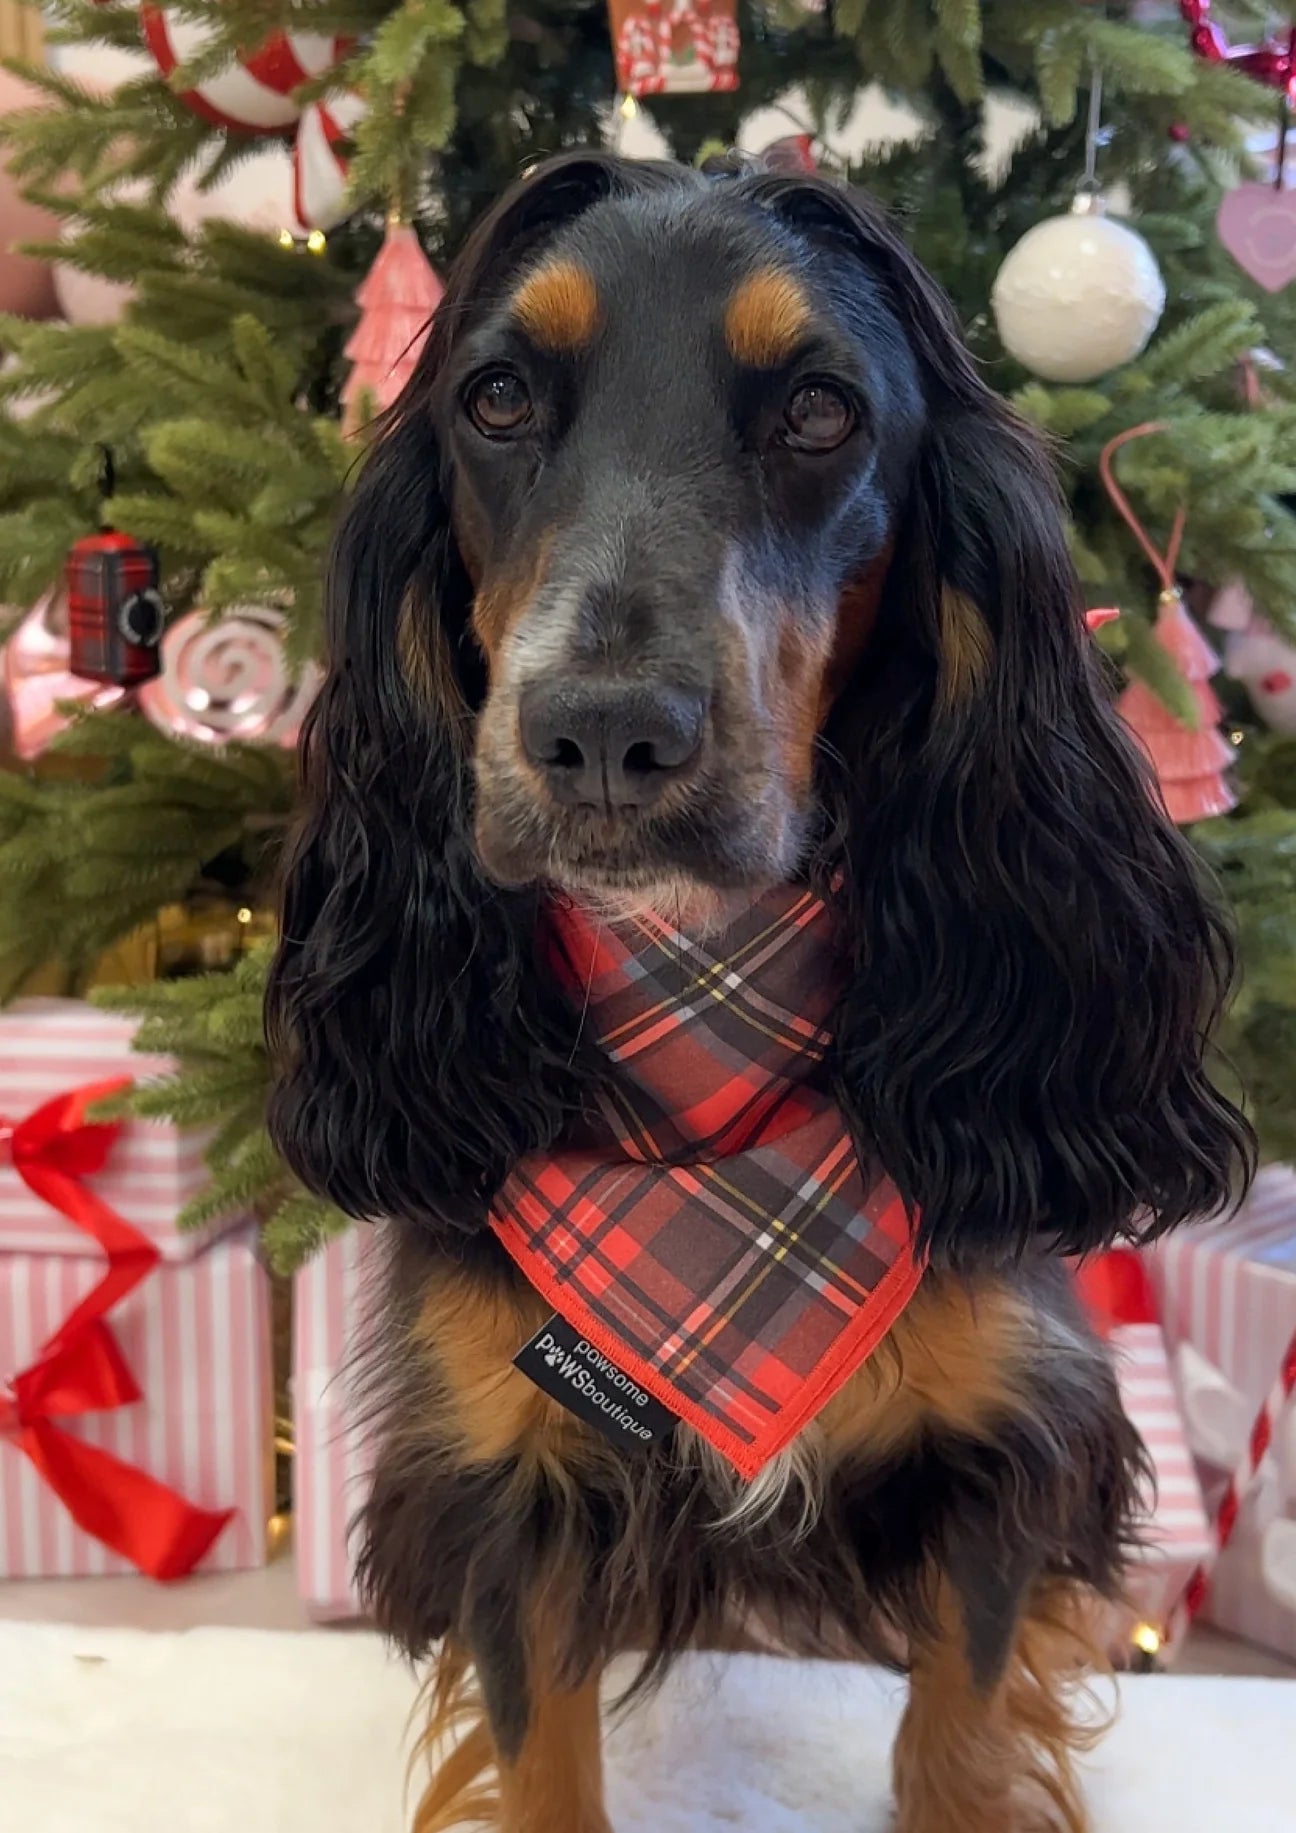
(613, 744)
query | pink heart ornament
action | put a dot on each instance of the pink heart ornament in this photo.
(1258, 227)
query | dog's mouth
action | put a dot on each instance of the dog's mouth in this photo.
(709, 843)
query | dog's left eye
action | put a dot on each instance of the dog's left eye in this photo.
(817, 418)
(498, 403)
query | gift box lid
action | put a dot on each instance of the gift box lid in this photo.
(51, 1047)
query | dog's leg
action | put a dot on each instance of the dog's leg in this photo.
(552, 1782)
(992, 1752)
(509, 1747)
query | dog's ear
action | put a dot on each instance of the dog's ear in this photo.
(417, 1053)
(1038, 964)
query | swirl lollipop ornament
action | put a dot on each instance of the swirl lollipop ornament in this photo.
(228, 680)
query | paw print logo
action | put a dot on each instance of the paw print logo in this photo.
(553, 1356)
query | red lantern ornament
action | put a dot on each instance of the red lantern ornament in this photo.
(115, 611)
(116, 614)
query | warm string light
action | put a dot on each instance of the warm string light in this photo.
(315, 243)
(1147, 1640)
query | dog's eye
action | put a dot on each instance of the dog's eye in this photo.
(498, 403)
(817, 418)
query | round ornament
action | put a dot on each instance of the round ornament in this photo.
(253, 94)
(229, 680)
(36, 676)
(1078, 296)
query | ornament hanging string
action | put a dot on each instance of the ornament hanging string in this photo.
(1095, 137)
(1163, 564)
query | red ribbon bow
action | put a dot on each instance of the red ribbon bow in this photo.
(1115, 1289)
(81, 1368)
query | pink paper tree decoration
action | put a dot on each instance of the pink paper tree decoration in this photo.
(1189, 764)
(397, 299)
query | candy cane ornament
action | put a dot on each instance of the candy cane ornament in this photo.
(1236, 1492)
(253, 94)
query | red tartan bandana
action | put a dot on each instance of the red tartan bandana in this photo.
(714, 1235)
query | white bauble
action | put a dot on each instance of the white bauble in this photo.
(1078, 296)
(1265, 663)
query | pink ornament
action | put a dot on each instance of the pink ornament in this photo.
(1257, 225)
(228, 679)
(36, 677)
(255, 94)
(26, 284)
(397, 299)
(1189, 764)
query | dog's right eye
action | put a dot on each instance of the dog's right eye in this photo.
(498, 403)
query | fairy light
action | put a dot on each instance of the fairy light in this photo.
(628, 108)
(317, 241)
(1147, 1640)
(287, 239)
(245, 915)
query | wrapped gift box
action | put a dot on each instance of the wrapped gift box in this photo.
(196, 1336)
(189, 1400)
(1175, 1530)
(1227, 1296)
(331, 1471)
(50, 1046)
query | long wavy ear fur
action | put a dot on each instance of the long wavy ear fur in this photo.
(418, 1053)
(1037, 964)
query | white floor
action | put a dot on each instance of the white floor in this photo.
(248, 1731)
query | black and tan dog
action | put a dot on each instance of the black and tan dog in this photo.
(696, 559)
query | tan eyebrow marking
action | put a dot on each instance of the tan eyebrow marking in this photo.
(765, 319)
(558, 306)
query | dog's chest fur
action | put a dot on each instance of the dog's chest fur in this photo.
(984, 1438)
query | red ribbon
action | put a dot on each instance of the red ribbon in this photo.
(81, 1368)
(1115, 1289)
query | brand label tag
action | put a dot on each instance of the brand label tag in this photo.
(572, 1372)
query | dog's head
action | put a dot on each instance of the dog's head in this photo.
(680, 426)
(695, 556)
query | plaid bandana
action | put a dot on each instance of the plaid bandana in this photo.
(714, 1235)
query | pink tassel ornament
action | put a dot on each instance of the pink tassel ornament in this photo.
(1189, 764)
(397, 299)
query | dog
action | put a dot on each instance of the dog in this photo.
(697, 560)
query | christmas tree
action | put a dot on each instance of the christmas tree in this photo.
(216, 374)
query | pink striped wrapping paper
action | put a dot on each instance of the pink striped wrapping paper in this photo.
(49, 1046)
(1229, 1291)
(1176, 1532)
(331, 1471)
(197, 1338)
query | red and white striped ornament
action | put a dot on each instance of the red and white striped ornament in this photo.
(319, 161)
(255, 93)
(1280, 1397)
